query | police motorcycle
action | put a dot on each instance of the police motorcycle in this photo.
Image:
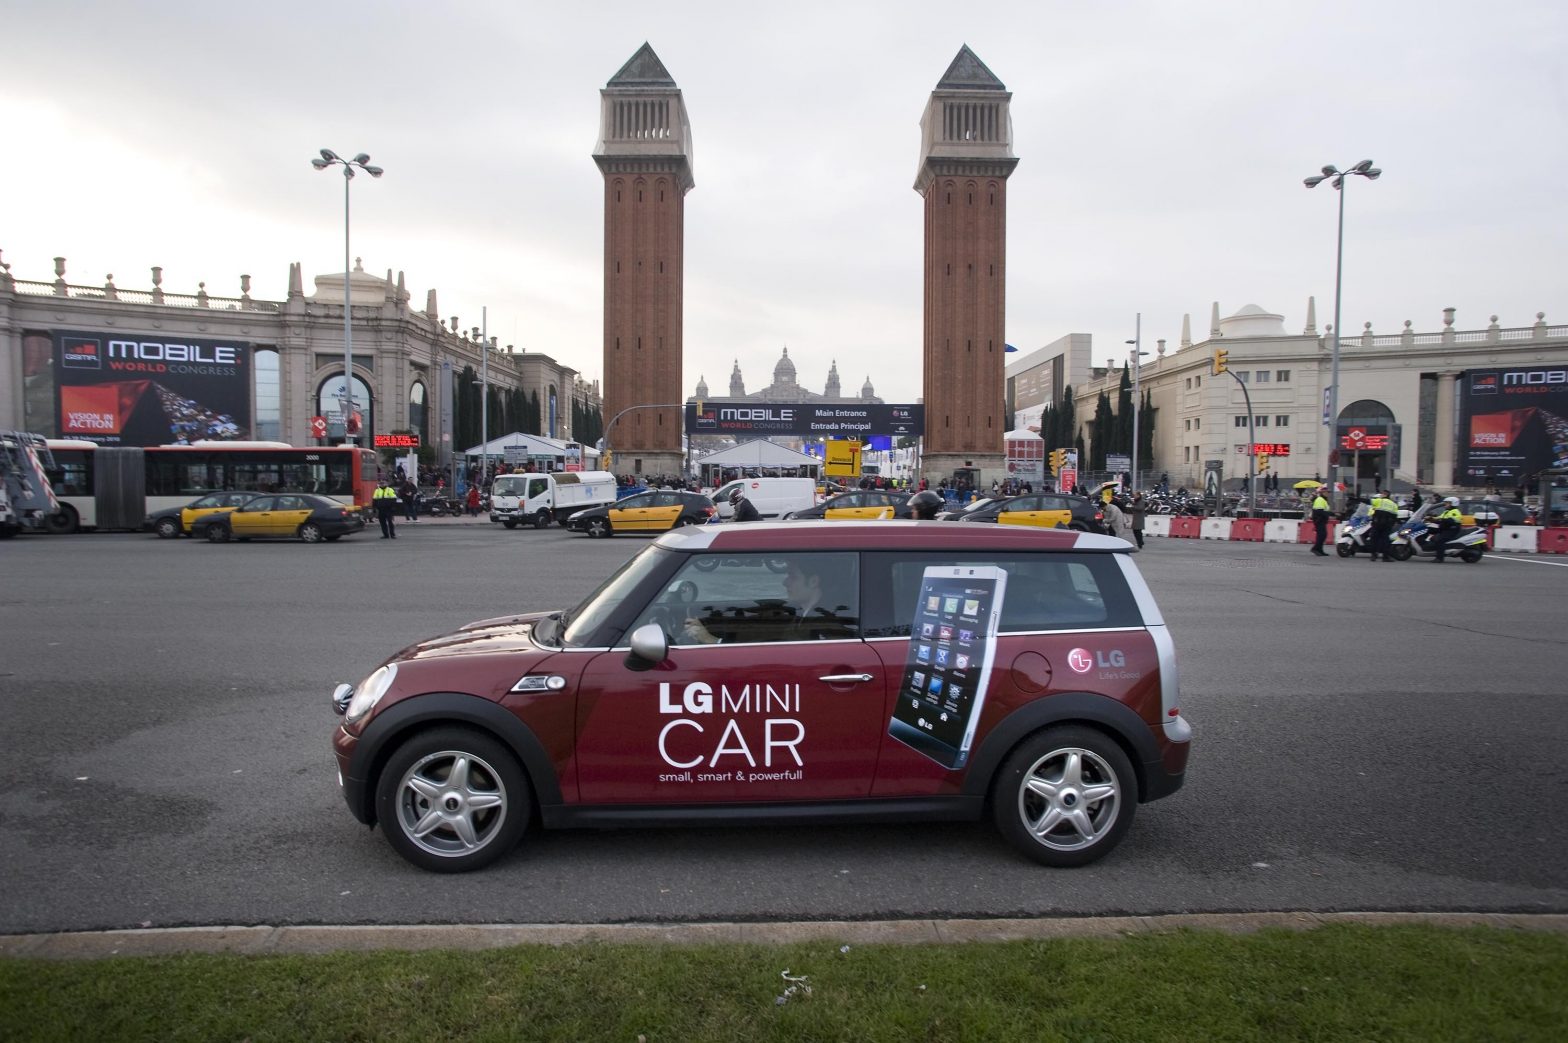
(1354, 533)
(1418, 536)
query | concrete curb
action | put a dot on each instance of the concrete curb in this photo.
(265, 940)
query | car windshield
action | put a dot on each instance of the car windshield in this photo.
(506, 484)
(586, 619)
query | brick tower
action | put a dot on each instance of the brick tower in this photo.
(644, 153)
(966, 155)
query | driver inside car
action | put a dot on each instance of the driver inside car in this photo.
(803, 615)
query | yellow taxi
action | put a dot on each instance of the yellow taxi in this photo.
(657, 510)
(177, 521)
(283, 516)
(1041, 510)
(860, 505)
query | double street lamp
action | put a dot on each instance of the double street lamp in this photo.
(1136, 356)
(1337, 178)
(328, 158)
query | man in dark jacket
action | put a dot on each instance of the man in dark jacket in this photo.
(1320, 511)
(745, 510)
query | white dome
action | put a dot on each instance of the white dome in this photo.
(1252, 321)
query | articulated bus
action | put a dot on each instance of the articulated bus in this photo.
(110, 487)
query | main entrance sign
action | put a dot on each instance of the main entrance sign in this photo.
(805, 419)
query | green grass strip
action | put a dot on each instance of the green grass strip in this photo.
(1334, 983)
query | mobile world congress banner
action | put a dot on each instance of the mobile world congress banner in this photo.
(805, 420)
(1513, 422)
(139, 389)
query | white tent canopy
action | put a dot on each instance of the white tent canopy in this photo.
(533, 445)
(759, 452)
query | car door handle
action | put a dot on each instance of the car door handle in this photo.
(844, 678)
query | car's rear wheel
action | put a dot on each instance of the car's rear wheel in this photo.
(217, 534)
(598, 528)
(310, 532)
(542, 519)
(1066, 796)
(452, 800)
(167, 528)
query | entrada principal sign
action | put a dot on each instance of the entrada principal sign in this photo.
(804, 420)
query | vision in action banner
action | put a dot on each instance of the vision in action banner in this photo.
(1513, 423)
(142, 389)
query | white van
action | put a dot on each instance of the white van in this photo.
(773, 497)
(539, 499)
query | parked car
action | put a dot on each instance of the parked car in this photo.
(282, 517)
(173, 522)
(857, 505)
(1043, 510)
(773, 673)
(657, 510)
(1494, 512)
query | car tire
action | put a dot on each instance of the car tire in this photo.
(167, 528)
(310, 532)
(1471, 555)
(1400, 552)
(62, 522)
(434, 780)
(1065, 797)
(510, 523)
(542, 519)
(217, 534)
(597, 528)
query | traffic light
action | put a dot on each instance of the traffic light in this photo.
(1058, 458)
(1263, 462)
(1221, 361)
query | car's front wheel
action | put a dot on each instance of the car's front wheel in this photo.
(217, 534)
(1066, 796)
(597, 527)
(542, 519)
(452, 800)
(167, 528)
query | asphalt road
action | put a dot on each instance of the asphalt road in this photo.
(1368, 737)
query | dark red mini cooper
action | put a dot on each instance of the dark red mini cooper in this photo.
(840, 671)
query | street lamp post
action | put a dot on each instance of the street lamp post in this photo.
(328, 158)
(1137, 403)
(1337, 177)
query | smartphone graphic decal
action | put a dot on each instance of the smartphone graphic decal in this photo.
(951, 646)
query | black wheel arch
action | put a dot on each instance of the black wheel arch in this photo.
(1131, 732)
(387, 731)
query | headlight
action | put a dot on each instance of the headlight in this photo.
(369, 692)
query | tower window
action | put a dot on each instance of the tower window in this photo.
(950, 199)
(639, 195)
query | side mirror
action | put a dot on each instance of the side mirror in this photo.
(649, 647)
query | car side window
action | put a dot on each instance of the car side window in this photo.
(760, 599)
(632, 502)
(290, 503)
(667, 500)
(1044, 592)
(260, 503)
(232, 500)
(207, 501)
(536, 486)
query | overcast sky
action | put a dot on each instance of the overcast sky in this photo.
(1161, 147)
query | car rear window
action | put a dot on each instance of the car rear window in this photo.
(1044, 592)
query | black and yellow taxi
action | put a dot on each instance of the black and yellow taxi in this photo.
(657, 510)
(283, 516)
(857, 505)
(172, 522)
(1040, 510)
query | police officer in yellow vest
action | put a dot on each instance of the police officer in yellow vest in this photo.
(1385, 515)
(1448, 523)
(384, 500)
(1320, 511)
